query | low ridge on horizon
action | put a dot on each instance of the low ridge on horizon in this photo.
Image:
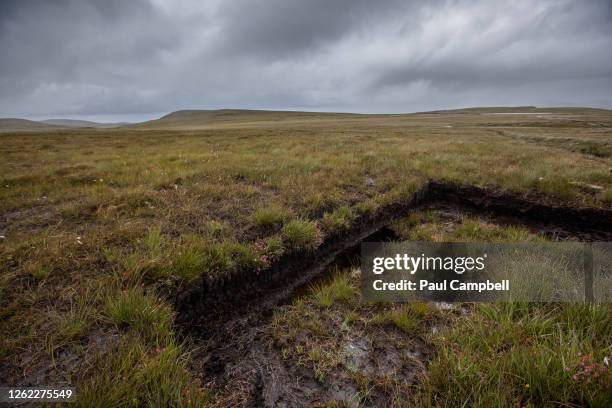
(203, 117)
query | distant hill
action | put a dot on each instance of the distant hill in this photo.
(517, 110)
(221, 117)
(82, 123)
(8, 124)
(17, 124)
(244, 118)
(486, 109)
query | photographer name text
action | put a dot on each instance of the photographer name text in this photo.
(455, 284)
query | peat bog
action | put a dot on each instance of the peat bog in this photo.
(193, 260)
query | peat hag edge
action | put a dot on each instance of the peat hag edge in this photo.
(247, 291)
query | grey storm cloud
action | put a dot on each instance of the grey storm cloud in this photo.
(115, 58)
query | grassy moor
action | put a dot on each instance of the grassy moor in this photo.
(112, 239)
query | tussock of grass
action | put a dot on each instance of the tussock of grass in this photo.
(241, 256)
(188, 263)
(273, 247)
(302, 235)
(153, 241)
(557, 186)
(132, 376)
(75, 323)
(136, 267)
(143, 313)
(338, 289)
(401, 317)
(270, 216)
(196, 257)
(338, 220)
(421, 309)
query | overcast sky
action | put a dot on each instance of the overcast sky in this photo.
(137, 59)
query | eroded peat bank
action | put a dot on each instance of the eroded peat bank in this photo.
(299, 334)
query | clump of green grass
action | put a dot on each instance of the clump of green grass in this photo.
(324, 297)
(338, 220)
(557, 187)
(133, 376)
(274, 247)
(142, 313)
(192, 257)
(196, 257)
(402, 317)
(272, 215)
(237, 256)
(153, 241)
(420, 309)
(74, 324)
(366, 207)
(315, 201)
(145, 261)
(134, 267)
(302, 235)
(188, 263)
(338, 289)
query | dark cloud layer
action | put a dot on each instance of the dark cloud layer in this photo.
(143, 57)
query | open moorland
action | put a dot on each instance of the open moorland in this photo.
(171, 262)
